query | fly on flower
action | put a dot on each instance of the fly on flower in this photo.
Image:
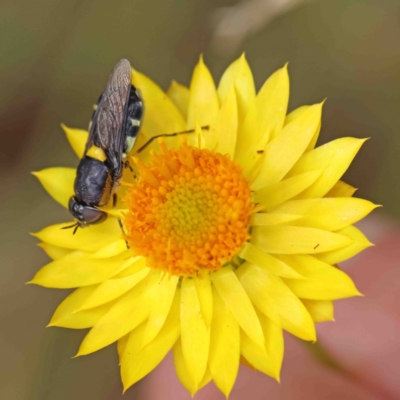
(113, 130)
(235, 233)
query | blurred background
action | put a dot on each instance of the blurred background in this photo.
(55, 59)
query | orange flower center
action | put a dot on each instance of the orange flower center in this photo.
(189, 210)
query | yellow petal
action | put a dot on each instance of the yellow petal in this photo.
(161, 308)
(238, 76)
(115, 212)
(183, 374)
(224, 346)
(179, 95)
(322, 281)
(54, 252)
(195, 335)
(360, 242)
(238, 303)
(203, 100)
(320, 310)
(280, 192)
(111, 250)
(334, 157)
(77, 139)
(77, 269)
(66, 316)
(256, 256)
(138, 361)
(125, 315)
(121, 346)
(203, 288)
(161, 115)
(131, 266)
(295, 114)
(274, 299)
(330, 214)
(296, 240)
(268, 219)
(255, 355)
(88, 239)
(274, 344)
(113, 288)
(284, 150)
(264, 119)
(58, 183)
(341, 189)
(224, 133)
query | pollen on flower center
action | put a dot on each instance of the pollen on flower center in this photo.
(189, 210)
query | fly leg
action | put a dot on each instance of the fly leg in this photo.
(127, 164)
(115, 198)
(168, 135)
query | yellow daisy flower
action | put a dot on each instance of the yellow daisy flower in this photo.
(234, 233)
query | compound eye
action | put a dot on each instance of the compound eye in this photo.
(93, 215)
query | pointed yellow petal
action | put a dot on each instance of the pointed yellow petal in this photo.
(77, 139)
(360, 242)
(89, 239)
(121, 346)
(285, 149)
(111, 250)
(195, 335)
(224, 346)
(113, 288)
(334, 157)
(125, 315)
(274, 344)
(258, 257)
(257, 357)
(280, 192)
(54, 252)
(77, 269)
(238, 303)
(238, 76)
(203, 100)
(341, 189)
(264, 119)
(138, 361)
(58, 183)
(183, 374)
(295, 114)
(330, 214)
(161, 115)
(296, 240)
(66, 316)
(274, 299)
(323, 282)
(320, 310)
(179, 95)
(268, 219)
(203, 288)
(161, 308)
(224, 133)
(182, 371)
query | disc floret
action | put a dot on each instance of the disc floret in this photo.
(189, 210)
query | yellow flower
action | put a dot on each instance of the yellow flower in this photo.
(234, 229)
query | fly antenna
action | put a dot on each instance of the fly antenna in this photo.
(76, 226)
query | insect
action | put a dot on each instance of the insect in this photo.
(113, 130)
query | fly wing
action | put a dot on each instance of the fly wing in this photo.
(107, 124)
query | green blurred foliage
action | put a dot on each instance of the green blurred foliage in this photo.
(56, 57)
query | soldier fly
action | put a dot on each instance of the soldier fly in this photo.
(113, 130)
